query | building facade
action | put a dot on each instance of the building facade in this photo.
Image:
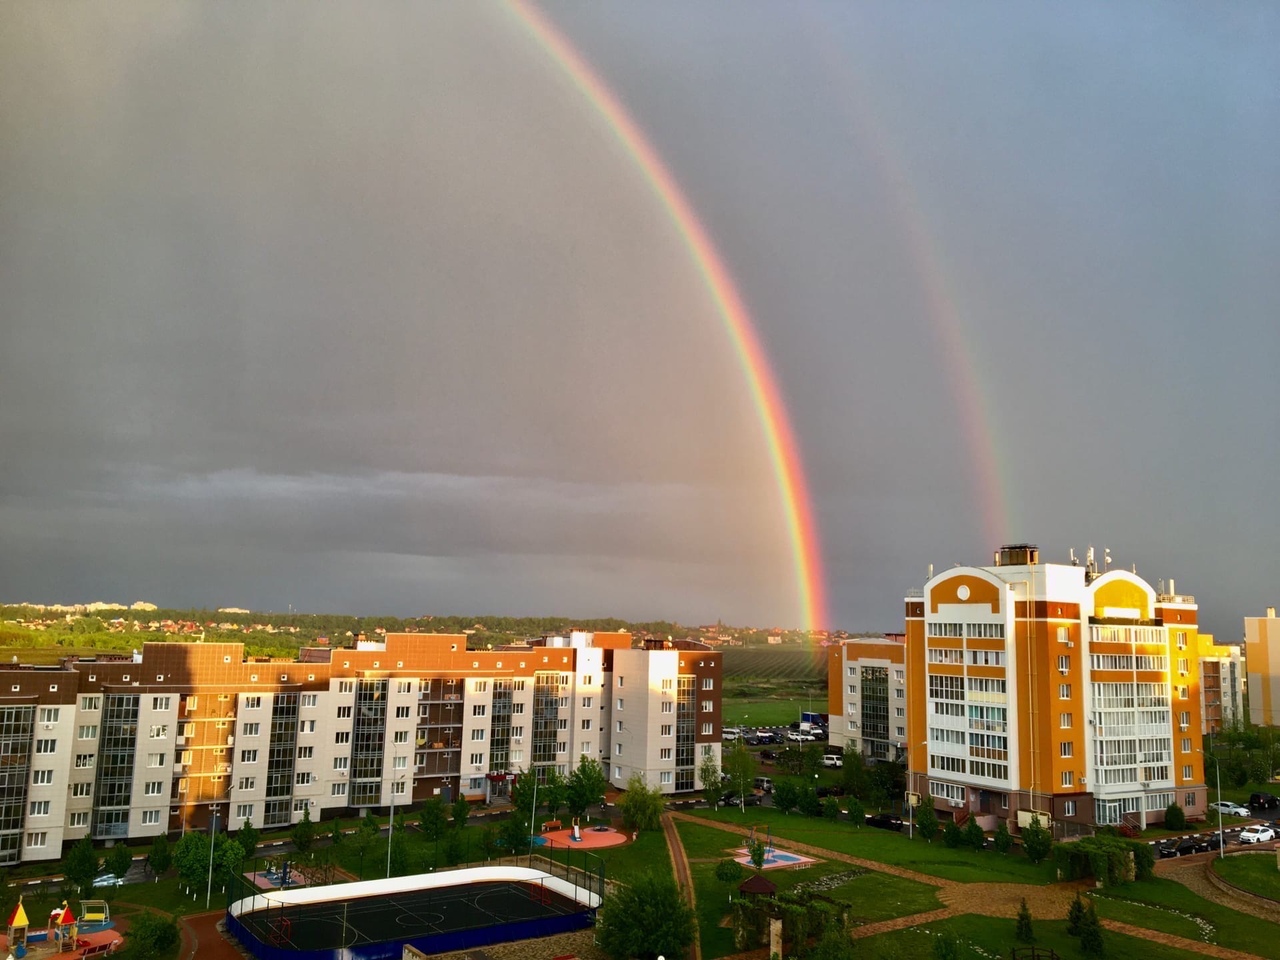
(866, 696)
(1053, 690)
(168, 739)
(1221, 685)
(1262, 660)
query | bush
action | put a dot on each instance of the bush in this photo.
(952, 835)
(151, 935)
(926, 819)
(973, 835)
(831, 808)
(786, 795)
(1036, 841)
(1109, 859)
(857, 813)
(1022, 930)
(1175, 818)
(1003, 840)
(808, 803)
(1075, 914)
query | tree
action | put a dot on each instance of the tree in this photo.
(1175, 818)
(641, 805)
(1003, 840)
(1022, 929)
(160, 858)
(554, 791)
(831, 808)
(119, 859)
(151, 934)
(335, 832)
(362, 840)
(303, 833)
(645, 919)
(786, 794)
(248, 837)
(587, 785)
(853, 774)
(191, 857)
(228, 857)
(433, 821)
(857, 813)
(952, 835)
(742, 767)
(1091, 942)
(808, 803)
(758, 852)
(926, 819)
(1036, 840)
(80, 866)
(729, 871)
(1075, 915)
(709, 778)
(460, 810)
(973, 835)
(399, 853)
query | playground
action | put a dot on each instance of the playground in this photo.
(584, 837)
(64, 935)
(773, 858)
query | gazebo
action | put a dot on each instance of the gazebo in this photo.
(757, 885)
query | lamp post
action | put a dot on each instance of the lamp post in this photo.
(391, 823)
(911, 823)
(213, 831)
(533, 809)
(1217, 771)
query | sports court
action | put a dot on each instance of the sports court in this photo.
(434, 912)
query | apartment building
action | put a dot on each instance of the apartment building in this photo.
(1262, 657)
(1221, 684)
(166, 739)
(1054, 690)
(866, 696)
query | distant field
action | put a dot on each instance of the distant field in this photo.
(776, 664)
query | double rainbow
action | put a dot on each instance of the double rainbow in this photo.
(784, 451)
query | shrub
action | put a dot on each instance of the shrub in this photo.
(1022, 930)
(926, 819)
(1091, 942)
(973, 835)
(1036, 841)
(857, 813)
(1175, 818)
(809, 803)
(1003, 840)
(1110, 860)
(1075, 914)
(952, 835)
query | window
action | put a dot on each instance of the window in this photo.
(161, 704)
(82, 789)
(246, 783)
(619, 726)
(664, 753)
(250, 729)
(49, 714)
(517, 707)
(586, 703)
(477, 734)
(37, 838)
(1064, 691)
(79, 819)
(344, 713)
(46, 746)
(517, 732)
(306, 753)
(666, 706)
(899, 712)
(1064, 663)
(1186, 744)
(253, 703)
(617, 749)
(159, 731)
(39, 777)
(39, 808)
(482, 686)
(708, 706)
(620, 702)
(84, 760)
(666, 729)
(150, 817)
(397, 788)
(900, 731)
(668, 683)
(563, 723)
(1064, 721)
(586, 724)
(1068, 778)
(478, 709)
(706, 729)
(404, 686)
(244, 811)
(156, 759)
(587, 680)
(402, 736)
(1066, 748)
(899, 693)
(620, 679)
(477, 759)
(342, 736)
(153, 788)
(1069, 808)
(1186, 772)
(586, 746)
(308, 700)
(338, 789)
(1189, 800)
(664, 776)
(341, 763)
(1182, 665)
(617, 773)
(93, 702)
(402, 713)
(1184, 720)
(306, 726)
(248, 756)
(87, 731)
(346, 686)
(303, 779)
(708, 683)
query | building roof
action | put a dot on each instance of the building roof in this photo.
(758, 884)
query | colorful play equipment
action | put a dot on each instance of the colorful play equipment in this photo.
(17, 931)
(94, 912)
(63, 928)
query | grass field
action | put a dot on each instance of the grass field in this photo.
(1166, 905)
(1255, 872)
(764, 712)
(779, 664)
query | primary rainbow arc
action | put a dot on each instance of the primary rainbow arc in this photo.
(766, 397)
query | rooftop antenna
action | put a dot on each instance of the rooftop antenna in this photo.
(1106, 558)
(1075, 561)
(931, 571)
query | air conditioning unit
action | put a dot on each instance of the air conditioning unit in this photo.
(1071, 644)
(1183, 727)
(48, 726)
(955, 803)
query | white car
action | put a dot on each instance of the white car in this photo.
(1257, 834)
(108, 880)
(796, 736)
(1231, 809)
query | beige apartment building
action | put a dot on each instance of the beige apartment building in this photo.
(1262, 657)
(866, 696)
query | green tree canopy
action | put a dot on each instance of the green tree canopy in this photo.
(1037, 841)
(303, 833)
(160, 857)
(587, 785)
(641, 805)
(645, 919)
(80, 866)
(741, 766)
(459, 812)
(709, 779)
(119, 859)
(786, 794)
(553, 791)
(926, 819)
(433, 820)
(248, 837)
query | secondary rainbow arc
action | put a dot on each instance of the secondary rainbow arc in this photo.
(766, 395)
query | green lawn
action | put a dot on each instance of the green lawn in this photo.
(1255, 872)
(987, 937)
(874, 896)
(1166, 905)
(885, 846)
(763, 712)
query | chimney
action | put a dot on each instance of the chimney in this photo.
(1172, 589)
(1271, 613)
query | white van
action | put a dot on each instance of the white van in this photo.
(730, 733)
(833, 760)
(764, 784)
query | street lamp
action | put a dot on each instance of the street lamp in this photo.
(213, 831)
(391, 825)
(1217, 770)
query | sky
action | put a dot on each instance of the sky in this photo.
(366, 308)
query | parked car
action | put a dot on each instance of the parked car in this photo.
(1183, 846)
(730, 799)
(799, 736)
(730, 733)
(108, 880)
(836, 791)
(767, 736)
(1230, 809)
(1257, 833)
(885, 821)
(833, 760)
(1264, 800)
(764, 784)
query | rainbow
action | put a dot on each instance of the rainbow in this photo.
(784, 451)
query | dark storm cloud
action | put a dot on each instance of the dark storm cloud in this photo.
(359, 306)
